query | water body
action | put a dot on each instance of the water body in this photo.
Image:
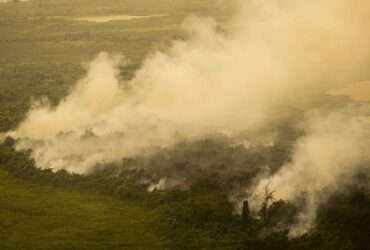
(104, 19)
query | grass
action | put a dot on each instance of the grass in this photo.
(41, 50)
(39, 217)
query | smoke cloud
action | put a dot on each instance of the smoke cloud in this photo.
(273, 60)
(334, 148)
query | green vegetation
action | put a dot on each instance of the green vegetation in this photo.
(42, 50)
(43, 217)
(111, 209)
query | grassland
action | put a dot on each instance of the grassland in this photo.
(41, 217)
(42, 48)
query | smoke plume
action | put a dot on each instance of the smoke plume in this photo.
(334, 148)
(274, 59)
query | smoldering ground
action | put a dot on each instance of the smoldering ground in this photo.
(274, 65)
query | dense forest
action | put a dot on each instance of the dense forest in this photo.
(178, 197)
(201, 217)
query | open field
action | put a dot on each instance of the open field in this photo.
(43, 47)
(42, 217)
(194, 194)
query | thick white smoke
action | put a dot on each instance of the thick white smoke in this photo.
(335, 147)
(274, 57)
